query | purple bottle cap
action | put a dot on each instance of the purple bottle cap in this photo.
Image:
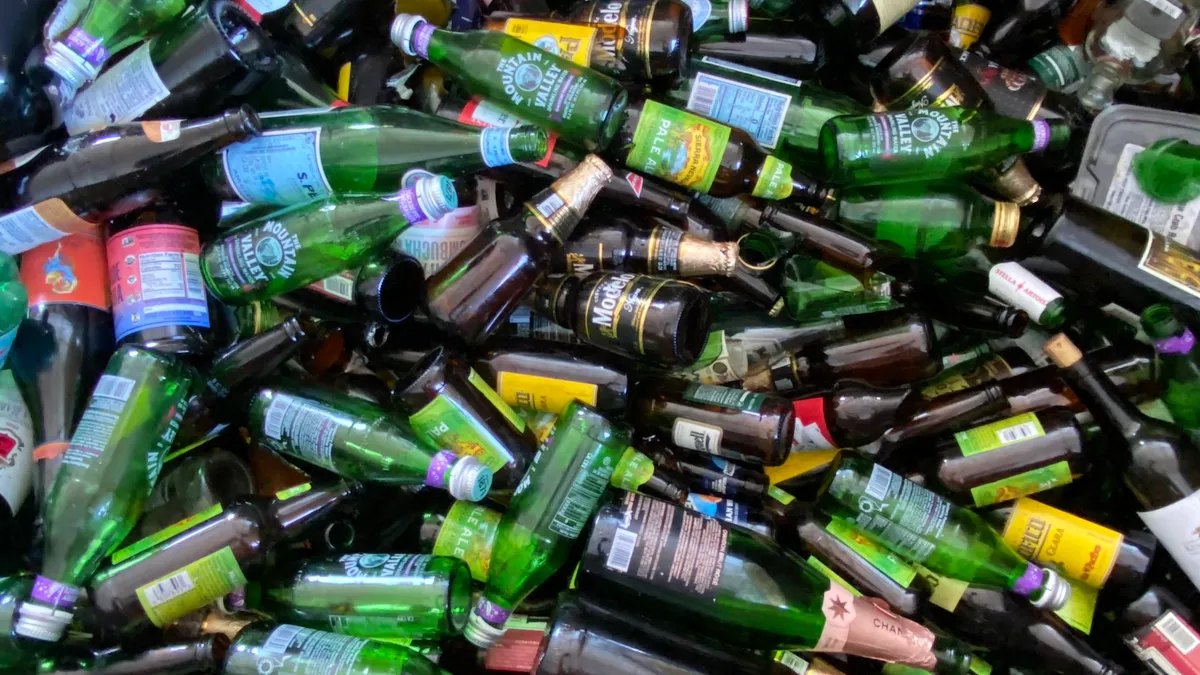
(54, 594)
(491, 612)
(1179, 344)
(1041, 135)
(439, 469)
(1030, 581)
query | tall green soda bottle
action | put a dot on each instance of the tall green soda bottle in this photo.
(548, 510)
(925, 528)
(317, 154)
(13, 300)
(106, 475)
(579, 104)
(1179, 365)
(928, 144)
(291, 650)
(357, 439)
(302, 244)
(105, 28)
(374, 595)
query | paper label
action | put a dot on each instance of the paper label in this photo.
(547, 394)
(494, 147)
(632, 471)
(1170, 646)
(882, 559)
(278, 167)
(41, 223)
(304, 429)
(1025, 483)
(799, 464)
(1172, 263)
(945, 592)
(193, 586)
(714, 366)
(156, 280)
(617, 307)
(1080, 607)
(166, 533)
(338, 287)
(435, 243)
(162, 131)
(811, 431)
(1178, 529)
(542, 86)
(87, 47)
(293, 491)
(917, 134)
(1019, 288)
(1126, 199)
(691, 435)
(901, 515)
(774, 179)
(449, 425)
(677, 146)
(583, 496)
(569, 41)
(16, 443)
(250, 259)
(490, 394)
(1077, 548)
(468, 534)
(968, 24)
(122, 94)
(890, 11)
(865, 627)
(993, 367)
(480, 113)
(724, 397)
(999, 434)
(291, 650)
(758, 111)
(72, 270)
(95, 429)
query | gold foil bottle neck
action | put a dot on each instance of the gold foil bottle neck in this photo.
(1017, 184)
(1005, 225)
(575, 191)
(698, 258)
(229, 625)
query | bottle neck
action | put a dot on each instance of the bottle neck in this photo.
(558, 209)
(1101, 397)
(293, 515)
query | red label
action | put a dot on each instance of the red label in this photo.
(70, 270)
(255, 15)
(811, 431)
(1170, 646)
(480, 113)
(635, 181)
(516, 652)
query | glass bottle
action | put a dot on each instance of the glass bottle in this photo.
(452, 408)
(580, 105)
(16, 463)
(476, 291)
(1159, 462)
(1178, 367)
(663, 250)
(373, 595)
(198, 63)
(1018, 32)
(663, 321)
(26, 113)
(357, 439)
(306, 243)
(787, 47)
(379, 291)
(292, 650)
(740, 425)
(175, 658)
(850, 414)
(192, 485)
(69, 187)
(991, 366)
(547, 380)
(107, 471)
(650, 39)
(550, 508)
(711, 475)
(636, 472)
(465, 531)
(309, 155)
(815, 290)
(1157, 627)
(861, 22)
(970, 311)
(925, 528)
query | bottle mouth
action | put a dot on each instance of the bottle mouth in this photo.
(399, 290)
(693, 330)
(249, 44)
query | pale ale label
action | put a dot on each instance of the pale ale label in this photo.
(678, 146)
(467, 534)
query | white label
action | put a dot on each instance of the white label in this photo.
(881, 478)
(1126, 199)
(701, 10)
(696, 436)
(809, 437)
(792, 662)
(265, 6)
(169, 588)
(122, 94)
(24, 229)
(279, 167)
(1178, 633)
(435, 243)
(756, 110)
(114, 386)
(1018, 287)
(549, 206)
(16, 444)
(739, 68)
(1178, 529)
(621, 553)
(890, 11)
(1018, 433)
(491, 115)
(739, 16)
(280, 639)
(307, 429)
(340, 286)
(1166, 8)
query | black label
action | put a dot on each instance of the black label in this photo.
(611, 16)
(617, 308)
(1013, 93)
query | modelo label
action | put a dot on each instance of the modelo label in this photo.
(632, 16)
(156, 280)
(617, 308)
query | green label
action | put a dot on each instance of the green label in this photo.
(833, 576)
(468, 534)
(901, 669)
(1026, 483)
(713, 346)
(293, 491)
(166, 533)
(780, 496)
(632, 471)
(792, 662)
(726, 397)
(774, 180)
(187, 589)
(678, 146)
(506, 410)
(999, 434)
(449, 426)
(945, 592)
(583, 496)
(884, 560)
(979, 666)
(1080, 607)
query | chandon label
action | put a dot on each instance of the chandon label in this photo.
(617, 308)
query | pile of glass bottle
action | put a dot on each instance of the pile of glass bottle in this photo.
(625, 336)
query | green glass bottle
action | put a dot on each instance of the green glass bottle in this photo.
(579, 104)
(1167, 171)
(373, 595)
(357, 439)
(1179, 368)
(465, 531)
(317, 154)
(816, 290)
(291, 650)
(548, 511)
(925, 528)
(929, 222)
(106, 475)
(105, 28)
(13, 301)
(302, 244)
(783, 114)
(927, 144)
(14, 658)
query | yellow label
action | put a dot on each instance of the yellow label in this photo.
(968, 24)
(1077, 548)
(569, 41)
(1080, 607)
(511, 415)
(945, 592)
(343, 83)
(547, 394)
(798, 464)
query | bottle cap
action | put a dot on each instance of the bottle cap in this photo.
(402, 31)
(436, 196)
(469, 479)
(481, 633)
(1016, 183)
(72, 69)
(1053, 593)
(42, 623)
(1005, 225)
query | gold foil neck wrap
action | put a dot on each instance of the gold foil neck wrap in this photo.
(759, 380)
(699, 258)
(229, 625)
(1017, 184)
(1005, 225)
(1062, 351)
(577, 188)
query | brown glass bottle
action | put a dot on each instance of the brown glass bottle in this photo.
(713, 475)
(740, 425)
(626, 247)
(794, 49)
(996, 365)
(474, 293)
(850, 414)
(900, 350)
(648, 37)
(652, 319)
(966, 310)
(243, 533)
(547, 380)
(386, 290)
(184, 658)
(1155, 626)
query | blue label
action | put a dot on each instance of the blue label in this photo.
(279, 167)
(155, 279)
(6, 342)
(758, 111)
(725, 510)
(701, 10)
(493, 145)
(915, 17)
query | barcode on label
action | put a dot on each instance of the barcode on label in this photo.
(792, 662)
(275, 415)
(1017, 433)
(1178, 632)
(339, 286)
(114, 386)
(169, 588)
(704, 97)
(195, 282)
(622, 551)
(551, 205)
(280, 639)
(877, 487)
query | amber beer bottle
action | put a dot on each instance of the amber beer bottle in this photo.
(663, 250)
(649, 37)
